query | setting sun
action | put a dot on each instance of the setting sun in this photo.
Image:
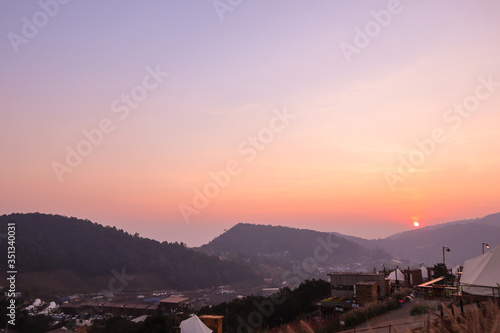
(416, 224)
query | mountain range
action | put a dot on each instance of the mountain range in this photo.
(425, 245)
(291, 244)
(66, 254)
(422, 245)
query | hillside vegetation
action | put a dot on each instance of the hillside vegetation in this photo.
(297, 244)
(79, 248)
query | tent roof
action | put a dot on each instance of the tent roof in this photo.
(425, 272)
(139, 319)
(400, 275)
(194, 325)
(483, 270)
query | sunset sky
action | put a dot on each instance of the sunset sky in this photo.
(179, 119)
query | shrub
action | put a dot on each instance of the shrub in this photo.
(484, 320)
(361, 315)
(418, 310)
(402, 294)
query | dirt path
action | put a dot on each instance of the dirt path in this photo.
(398, 320)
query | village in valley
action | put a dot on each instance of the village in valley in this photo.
(231, 166)
(448, 293)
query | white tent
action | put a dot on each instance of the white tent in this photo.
(425, 273)
(481, 275)
(455, 270)
(194, 325)
(397, 275)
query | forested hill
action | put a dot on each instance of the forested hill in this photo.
(251, 239)
(53, 242)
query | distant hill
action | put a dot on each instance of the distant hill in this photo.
(424, 245)
(295, 244)
(52, 250)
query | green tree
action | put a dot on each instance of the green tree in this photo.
(440, 269)
(32, 324)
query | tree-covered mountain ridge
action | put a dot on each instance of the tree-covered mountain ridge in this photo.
(246, 239)
(46, 243)
(416, 246)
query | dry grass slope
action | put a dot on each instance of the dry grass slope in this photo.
(477, 320)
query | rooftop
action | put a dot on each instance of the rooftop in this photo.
(174, 300)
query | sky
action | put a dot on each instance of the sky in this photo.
(180, 119)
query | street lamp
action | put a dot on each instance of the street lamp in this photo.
(447, 250)
(485, 244)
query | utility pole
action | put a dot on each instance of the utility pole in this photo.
(447, 250)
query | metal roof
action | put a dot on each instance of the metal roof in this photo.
(174, 300)
(431, 282)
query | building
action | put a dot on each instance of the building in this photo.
(367, 292)
(175, 304)
(78, 308)
(213, 322)
(414, 276)
(344, 284)
(84, 320)
(129, 309)
(117, 309)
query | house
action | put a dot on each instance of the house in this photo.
(213, 322)
(73, 298)
(367, 292)
(129, 309)
(84, 320)
(414, 276)
(344, 284)
(77, 308)
(175, 304)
